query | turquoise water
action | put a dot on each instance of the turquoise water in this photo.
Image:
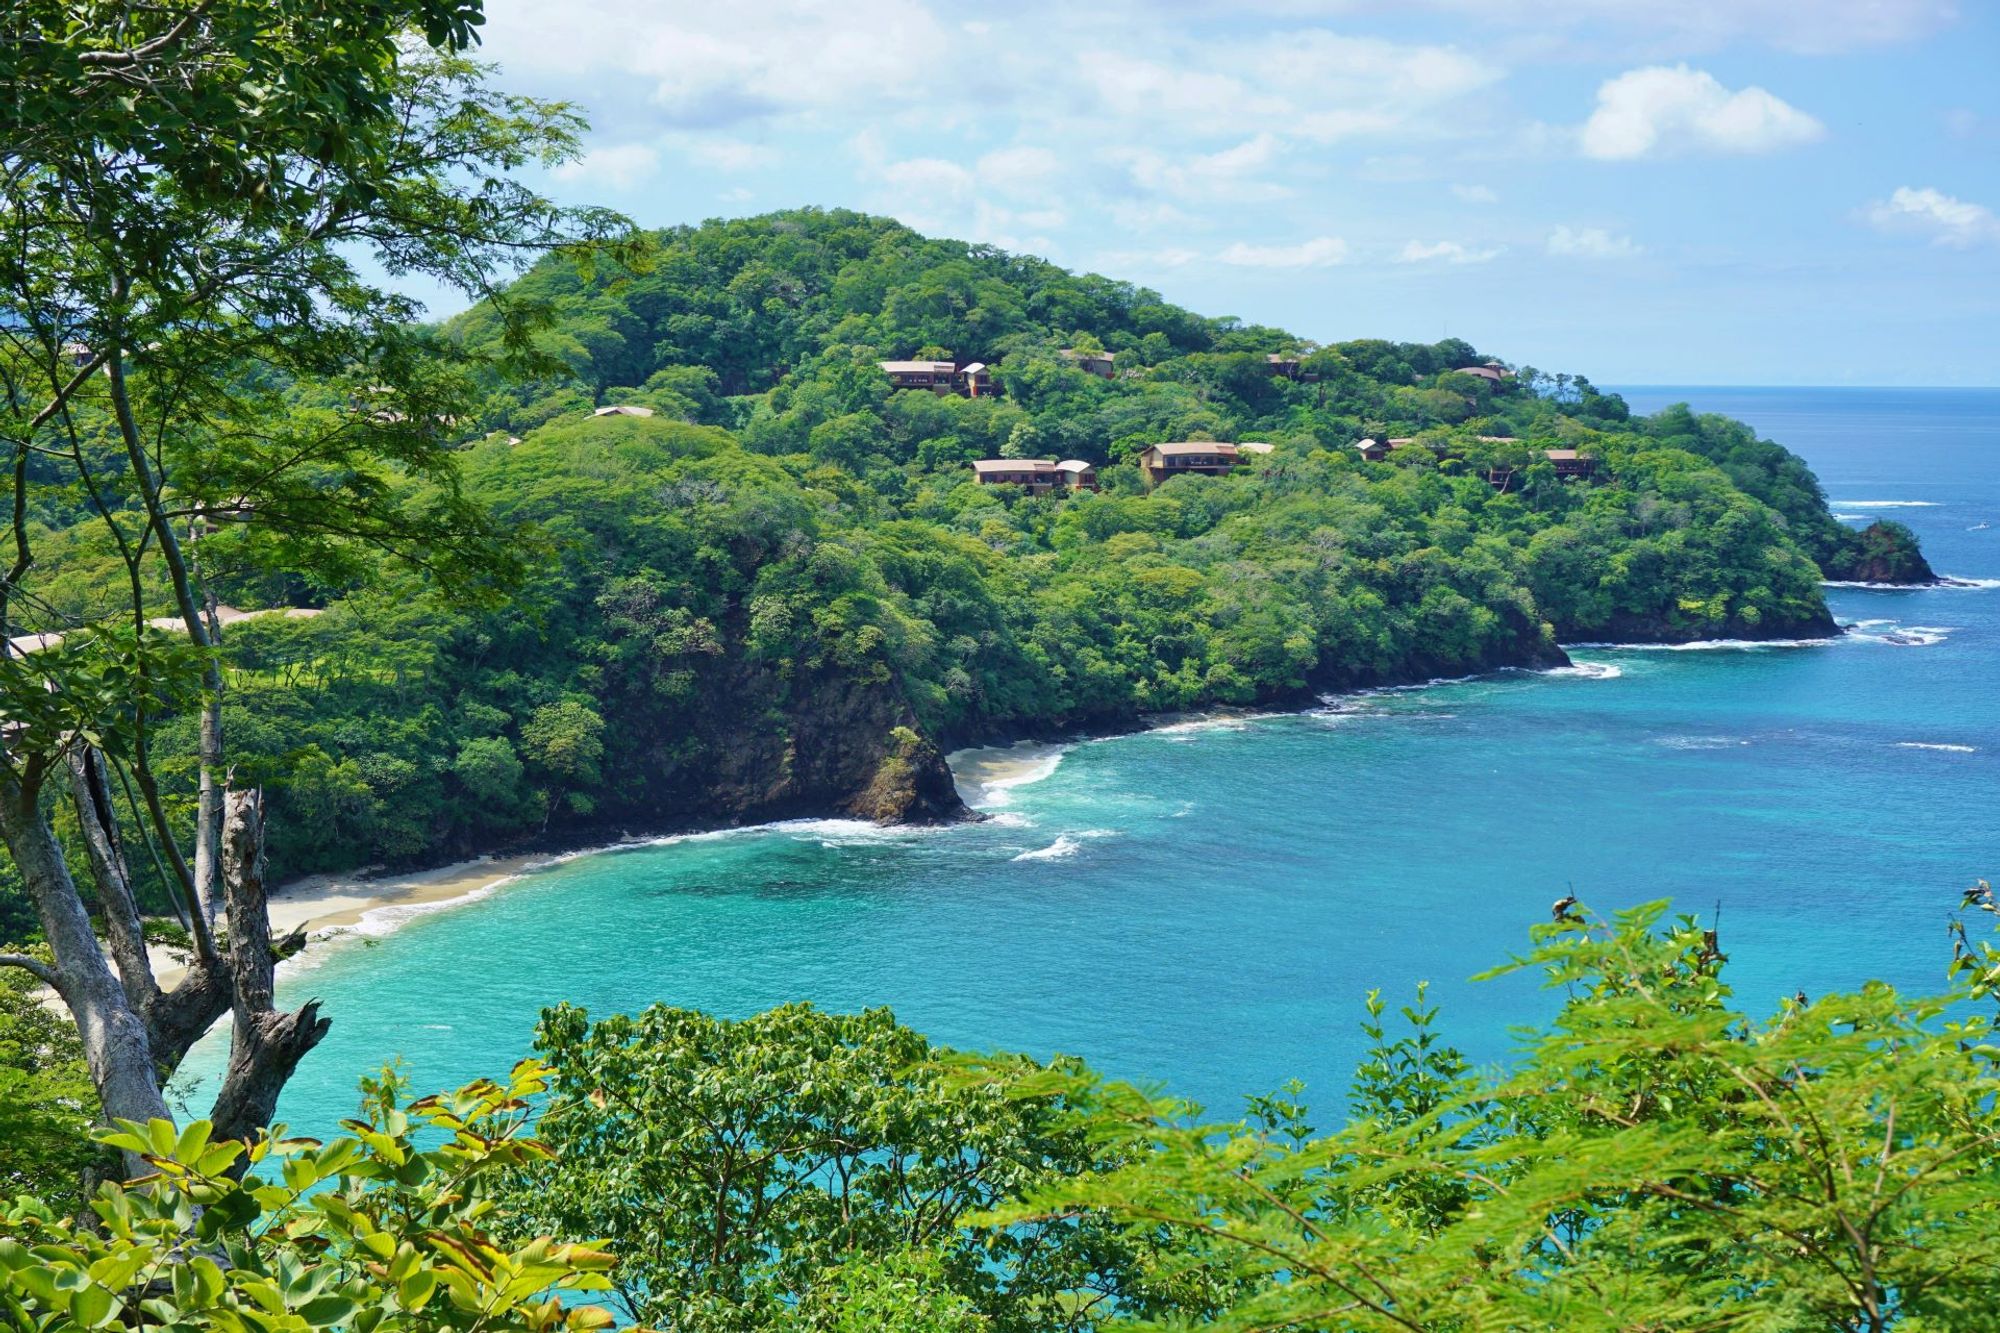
(1206, 905)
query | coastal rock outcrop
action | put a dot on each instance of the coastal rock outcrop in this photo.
(912, 785)
(1884, 552)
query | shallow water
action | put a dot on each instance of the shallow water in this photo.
(1206, 904)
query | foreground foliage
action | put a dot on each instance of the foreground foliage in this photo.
(203, 200)
(385, 1231)
(802, 1169)
(1659, 1160)
(1656, 1160)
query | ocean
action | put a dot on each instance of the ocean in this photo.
(1204, 906)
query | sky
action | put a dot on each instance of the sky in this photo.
(1642, 191)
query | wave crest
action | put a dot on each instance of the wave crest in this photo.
(1062, 848)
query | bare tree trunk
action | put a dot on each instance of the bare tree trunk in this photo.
(115, 1041)
(208, 807)
(267, 1045)
(99, 821)
(175, 1020)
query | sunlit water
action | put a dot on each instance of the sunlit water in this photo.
(1206, 905)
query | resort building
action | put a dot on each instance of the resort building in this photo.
(1037, 476)
(1204, 457)
(974, 379)
(1096, 363)
(937, 376)
(1288, 366)
(623, 410)
(1078, 475)
(1569, 463)
(1492, 370)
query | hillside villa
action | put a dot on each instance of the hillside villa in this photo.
(1095, 363)
(1568, 463)
(972, 380)
(1037, 476)
(1207, 458)
(1077, 474)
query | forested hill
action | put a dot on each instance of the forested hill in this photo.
(783, 591)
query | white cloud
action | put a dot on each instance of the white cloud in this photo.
(1819, 28)
(1662, 109)
(1445, 252)
(713, 65)
(1021, 170)
(1592, 243)
(928, 177)
(1121, 261)
(1318, 252)
(1307, 83)
(1476, 194)
(1948, 221)
(1228, 176)
(721, 153)
(615, 166)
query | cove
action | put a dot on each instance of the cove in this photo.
(1206, 904)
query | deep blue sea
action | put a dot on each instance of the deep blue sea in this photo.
(1206, 905)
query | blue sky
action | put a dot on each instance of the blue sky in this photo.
(1646, 191)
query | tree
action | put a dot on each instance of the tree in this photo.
(1658, 1159)
(186, 189)
(46, 1100)
(565, 740)
(385, 1231)
(757, 1169)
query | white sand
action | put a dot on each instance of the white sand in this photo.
(328, 905)
(986, 775)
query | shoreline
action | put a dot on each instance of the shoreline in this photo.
(330, 906)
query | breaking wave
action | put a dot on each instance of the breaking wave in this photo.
(987, 778)
(1937, 745)
(1944, 581)
(1882, 504)
(1062, 848)
(1588, 671)
(1709, 645)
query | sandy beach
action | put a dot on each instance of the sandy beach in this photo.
(986, 774)
(326, 906)
(329, 905)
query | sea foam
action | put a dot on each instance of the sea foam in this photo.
(1588, 671)
(1937, 745)
(1011, 767)
(1708, 645)
(1062, 848)
(1945, 581)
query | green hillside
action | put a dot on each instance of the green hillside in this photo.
(783, 591)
